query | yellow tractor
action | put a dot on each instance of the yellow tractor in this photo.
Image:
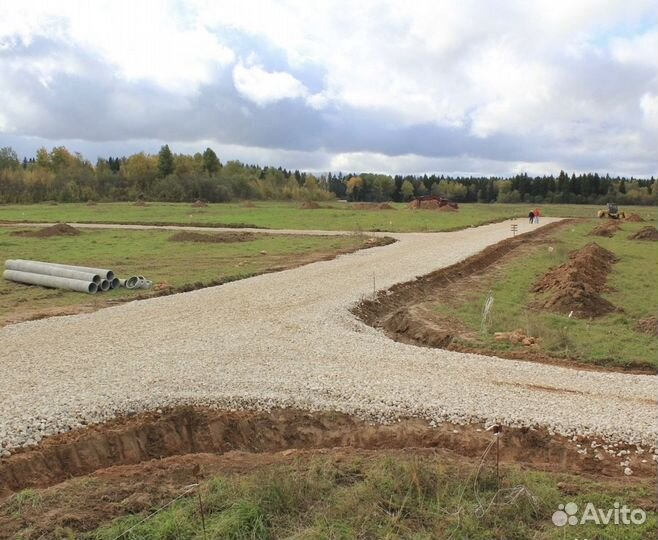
(611, 212)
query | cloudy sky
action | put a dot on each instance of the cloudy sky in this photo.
(469, 86)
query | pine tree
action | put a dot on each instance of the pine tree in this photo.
(211, 162)
(165, 161)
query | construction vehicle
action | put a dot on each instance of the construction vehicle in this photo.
(612, 212)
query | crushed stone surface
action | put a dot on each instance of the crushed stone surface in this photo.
(289, 339)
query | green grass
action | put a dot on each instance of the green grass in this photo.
(608, 340)
(149, 253)
(392, 498)
(282, 215)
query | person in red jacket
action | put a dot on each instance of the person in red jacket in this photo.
(537, 214)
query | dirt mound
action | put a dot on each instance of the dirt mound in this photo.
(140, 203)
(218, 238)
(424, 205)
(91, 203)
(648, 326)
(60, 229)
(248, 204)
(635, 218)
(400, 311)
(575, 285)
(309, 205)
(199, 204)
(606, 229)
(372, 206)
(517, 336)
(433, 204)
(649, 233)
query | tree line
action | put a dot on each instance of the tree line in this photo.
(590, 188)
(62, 176)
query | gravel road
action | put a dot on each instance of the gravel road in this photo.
(288, 339)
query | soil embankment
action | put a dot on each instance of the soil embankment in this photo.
(195, 430)
(405, 311)
(646, 233)
(575, 287)
(59, 229)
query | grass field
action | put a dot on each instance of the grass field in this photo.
(608, 340)
(281, 215)
(151, 254)
(410, 498)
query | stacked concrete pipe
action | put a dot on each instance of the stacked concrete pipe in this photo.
(68, 276)
(50, 269)
(104, 274)
(59, 276)
(55, 282)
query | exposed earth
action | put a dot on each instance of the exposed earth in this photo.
(278, 366)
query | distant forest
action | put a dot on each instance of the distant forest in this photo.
(63, 176)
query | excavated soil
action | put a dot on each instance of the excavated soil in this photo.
(649, 233)
(648, 326)
(85, 478)
(606, 229)
(575, 286)
(248, 204)
(215, 238)
(141, 203)
(199, 204)
(405, 311)
(195, 430)
(431, 205)
(309, 205)
(636, 218)
(60, 229)
(371, 206)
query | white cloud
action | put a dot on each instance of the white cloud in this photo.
(265, 87)
(513, 92)
(145, 40)
(554, 79)
(415, 164)
(641, 50)
(649, 106)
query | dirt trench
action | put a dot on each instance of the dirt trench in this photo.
(189, 430)
(404, 311)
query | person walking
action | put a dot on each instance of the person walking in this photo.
(537, 214)
(531, 216)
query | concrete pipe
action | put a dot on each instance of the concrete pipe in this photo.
(130, 283)
(53, 282)
(114, 283)
(104, 274)
(104, 285)
(48, 269)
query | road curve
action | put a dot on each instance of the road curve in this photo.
(288, 339)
